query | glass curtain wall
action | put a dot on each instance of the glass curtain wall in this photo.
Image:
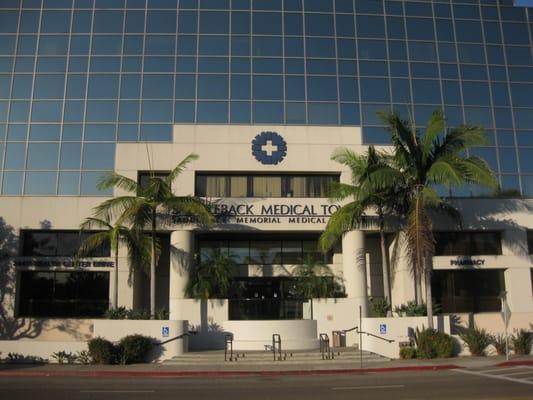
(76, 76)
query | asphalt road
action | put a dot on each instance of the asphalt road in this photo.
(395, 386)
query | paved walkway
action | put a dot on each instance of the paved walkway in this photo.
(268, 368)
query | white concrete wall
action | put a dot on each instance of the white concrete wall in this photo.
(397, 329)
(36, 348)
(257, 335)
(114, 330)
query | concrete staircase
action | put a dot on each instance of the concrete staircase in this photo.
(347, 357)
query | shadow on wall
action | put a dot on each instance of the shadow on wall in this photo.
(12, 328)
(209, 335)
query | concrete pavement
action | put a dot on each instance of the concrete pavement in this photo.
(324, 367)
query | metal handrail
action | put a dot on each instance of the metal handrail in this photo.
(376, 336)
(190, 333)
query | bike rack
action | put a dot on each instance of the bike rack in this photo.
(325, 349)
(228, 345)
(276, 344)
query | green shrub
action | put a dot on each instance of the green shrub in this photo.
(83, 357)
(116, 313)
(411, 309)
(130, 313)
(522, 341)
(63, 357)
(162, 314)
(379, 307)
(407, 352)
(134, 348)
(499, 343)
(476, 339)
(138, 314)
(431, 344)
(102, 351)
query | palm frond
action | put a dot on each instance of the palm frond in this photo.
(434, 127)
(190, 206)
(112, 179)
(95, 223)
(446, 171)
(345, 219)
(92, 243)
(340, 191)
(478, 171)
(178, 169)
(112, 208)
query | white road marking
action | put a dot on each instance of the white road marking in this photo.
(367, 387)
(504, 378)
(503, 369)
(517, 373)
(117, 391)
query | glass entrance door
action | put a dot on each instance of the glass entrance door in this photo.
(264, 299)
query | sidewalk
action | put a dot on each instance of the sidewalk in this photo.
(327, 367)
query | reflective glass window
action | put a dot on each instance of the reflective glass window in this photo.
(213, 86)
(45, 132)
(101, 111)
(370, 26)
(161, 21)
(319, 25)
(420, 29)
(158, 86)
(103, 86)
(240, 22)
(42, 156)
(267, 112)
(46, 111)
(374, 89)
(212, 111)
(267, 87)
(214, 22)
(156, 111)
(49, 87)
(55, 21)
(108, 21)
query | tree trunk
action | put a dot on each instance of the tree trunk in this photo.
(385, 267)
(114, 304)
(152, 269)
(429, 296)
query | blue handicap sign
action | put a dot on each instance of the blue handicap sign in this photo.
(165, 331)
(383, 329)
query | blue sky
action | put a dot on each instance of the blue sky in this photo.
(526, 3)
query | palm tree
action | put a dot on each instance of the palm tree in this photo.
(135, 241)
(364, 195)
(144, 206)
(420, 163)
(314, 279)
(212, 277)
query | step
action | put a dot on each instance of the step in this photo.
(342, 356)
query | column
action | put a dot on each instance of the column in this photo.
(354, 268)
(181, 261)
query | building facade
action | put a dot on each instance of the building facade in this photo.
(263, 91)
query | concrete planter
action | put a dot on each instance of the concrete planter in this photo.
(159, 330)
(399, 329)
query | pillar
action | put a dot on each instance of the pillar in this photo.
(181, 261)
(354, 268)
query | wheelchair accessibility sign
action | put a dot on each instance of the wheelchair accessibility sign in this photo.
(383, 329)
(165, 331)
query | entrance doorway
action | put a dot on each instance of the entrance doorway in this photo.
(270, 298)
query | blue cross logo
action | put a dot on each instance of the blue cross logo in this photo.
(269, 148)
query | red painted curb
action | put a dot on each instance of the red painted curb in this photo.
(514, 363)
(178, 374)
